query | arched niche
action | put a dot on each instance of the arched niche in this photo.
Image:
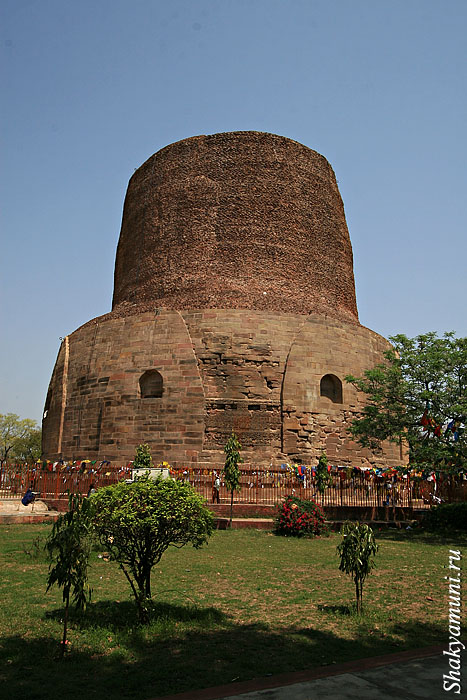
(151, 384)
(331, 387)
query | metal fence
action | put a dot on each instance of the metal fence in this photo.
(257, 486)
(269, 487)
(55, 484)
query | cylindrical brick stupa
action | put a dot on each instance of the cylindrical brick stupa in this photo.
(234, 308)
(243, 221)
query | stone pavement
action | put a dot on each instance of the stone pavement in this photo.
(12, 512)
(408, 675)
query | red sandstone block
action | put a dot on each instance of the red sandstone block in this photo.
(174, 428)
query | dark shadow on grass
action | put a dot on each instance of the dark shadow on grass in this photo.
(158, 664)
(124, 615)
(418, 534)
(337, 609)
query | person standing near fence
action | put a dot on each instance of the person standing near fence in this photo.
(215, 488)
(389, 492)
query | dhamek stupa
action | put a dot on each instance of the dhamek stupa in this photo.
(233, 309)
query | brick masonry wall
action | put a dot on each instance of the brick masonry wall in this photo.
(233, 280)
(240, 510)
(105, 415)
(242, 357)
(252, 372)
(313, 423)
(236, 220)
(339, 513)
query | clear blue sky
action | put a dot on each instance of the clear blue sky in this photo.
(91, 89)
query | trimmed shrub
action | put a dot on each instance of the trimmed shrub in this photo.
(300, 518)
(143, 457)
(446, 516)
(138, 522)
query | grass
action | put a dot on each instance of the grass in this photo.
(250, 604)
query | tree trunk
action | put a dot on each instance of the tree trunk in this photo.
(147, 584)
(147, 565)
(144, 594)
(231, 507)
(65, 625)
(358, 592)
(139, 596)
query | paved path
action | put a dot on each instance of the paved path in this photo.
(12, 511)
(409, 675)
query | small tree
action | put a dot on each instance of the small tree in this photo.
(13, 431)
(142, 458)
(323, 477)
(68, 547)
(418, 397)
(137, 522)
(231, 468)
(28, 448)
(357, 551)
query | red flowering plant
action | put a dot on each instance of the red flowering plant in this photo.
(300, 518)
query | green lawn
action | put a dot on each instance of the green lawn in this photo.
(249, 604)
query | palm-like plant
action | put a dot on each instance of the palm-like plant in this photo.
(231, 468)
(357, 551)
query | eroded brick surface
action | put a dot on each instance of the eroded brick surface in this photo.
(234, 281)
(235, 220)
(255, 373)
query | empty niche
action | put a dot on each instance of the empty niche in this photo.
(331, 387)
(151, 384)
